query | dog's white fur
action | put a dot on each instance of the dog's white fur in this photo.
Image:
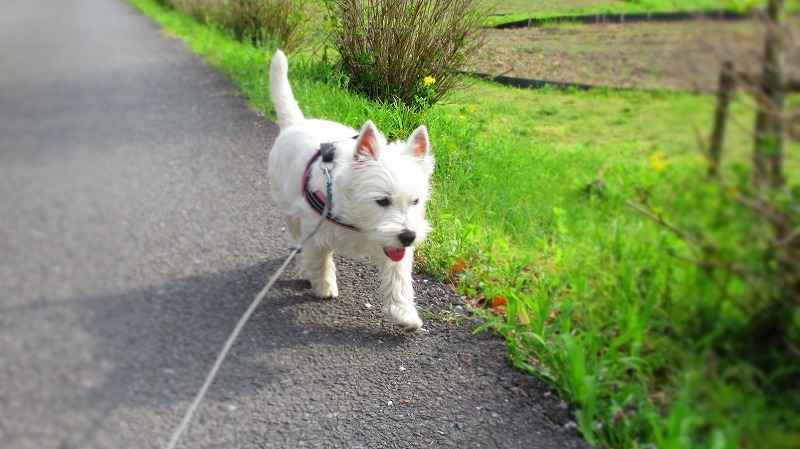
(368, 171)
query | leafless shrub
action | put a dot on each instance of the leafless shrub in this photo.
(406, 50)
(278, 21)
(198, 9)
(260, 21)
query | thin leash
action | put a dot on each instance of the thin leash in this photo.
(187, 418)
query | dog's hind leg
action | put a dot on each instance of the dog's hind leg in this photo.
(397, 292)
(321, 272)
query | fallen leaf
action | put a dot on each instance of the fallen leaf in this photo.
(499, 304)
(459, 265)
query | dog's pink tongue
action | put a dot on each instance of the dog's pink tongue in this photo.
(396, 254)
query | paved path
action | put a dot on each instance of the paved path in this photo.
(135, 228)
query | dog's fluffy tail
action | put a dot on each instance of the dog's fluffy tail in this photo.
(283, 100)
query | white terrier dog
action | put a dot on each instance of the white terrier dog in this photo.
(379, 191)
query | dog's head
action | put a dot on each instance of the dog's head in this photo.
(386, 188)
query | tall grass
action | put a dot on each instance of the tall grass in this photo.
(530, 218)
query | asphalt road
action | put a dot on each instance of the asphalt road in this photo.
(136, 227)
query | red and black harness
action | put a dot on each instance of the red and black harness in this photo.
(316, 199)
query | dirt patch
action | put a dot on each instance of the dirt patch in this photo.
(652, 55)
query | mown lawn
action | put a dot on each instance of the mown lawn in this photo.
(534, 209)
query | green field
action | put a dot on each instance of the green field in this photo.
(554, 7)
(534, 210)
(513, 10)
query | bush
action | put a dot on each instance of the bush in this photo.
(198, 9)
(258, 21)
(406, 50)
(278, 21)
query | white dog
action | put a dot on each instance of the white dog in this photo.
(379, 191)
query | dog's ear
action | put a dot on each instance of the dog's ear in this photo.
(367, 146)
(418, 144)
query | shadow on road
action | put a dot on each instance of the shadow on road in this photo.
(155, 346)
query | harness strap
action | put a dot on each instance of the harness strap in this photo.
(316, 200)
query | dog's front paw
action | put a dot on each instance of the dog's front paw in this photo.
(325, 290)
(404, 316)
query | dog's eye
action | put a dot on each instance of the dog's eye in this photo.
(416, 201)
(383, 202)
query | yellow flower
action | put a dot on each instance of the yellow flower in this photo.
(428, 81)
(472, 108)
(658, 162)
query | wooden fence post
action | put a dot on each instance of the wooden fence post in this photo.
(768, 151)
(726, 85)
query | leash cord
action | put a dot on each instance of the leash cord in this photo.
(187, 418)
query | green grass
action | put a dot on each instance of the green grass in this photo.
(530, 204)
(549, 8)
(514, 10)
(589, 273)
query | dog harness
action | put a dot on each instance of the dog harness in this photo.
(316, 199)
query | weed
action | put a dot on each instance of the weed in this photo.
(453, 315)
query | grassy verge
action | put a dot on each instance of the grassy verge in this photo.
(531, 216)
(533, 219)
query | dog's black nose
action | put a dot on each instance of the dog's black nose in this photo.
(407, 238)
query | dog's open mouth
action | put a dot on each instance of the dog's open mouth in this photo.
(396, 254)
